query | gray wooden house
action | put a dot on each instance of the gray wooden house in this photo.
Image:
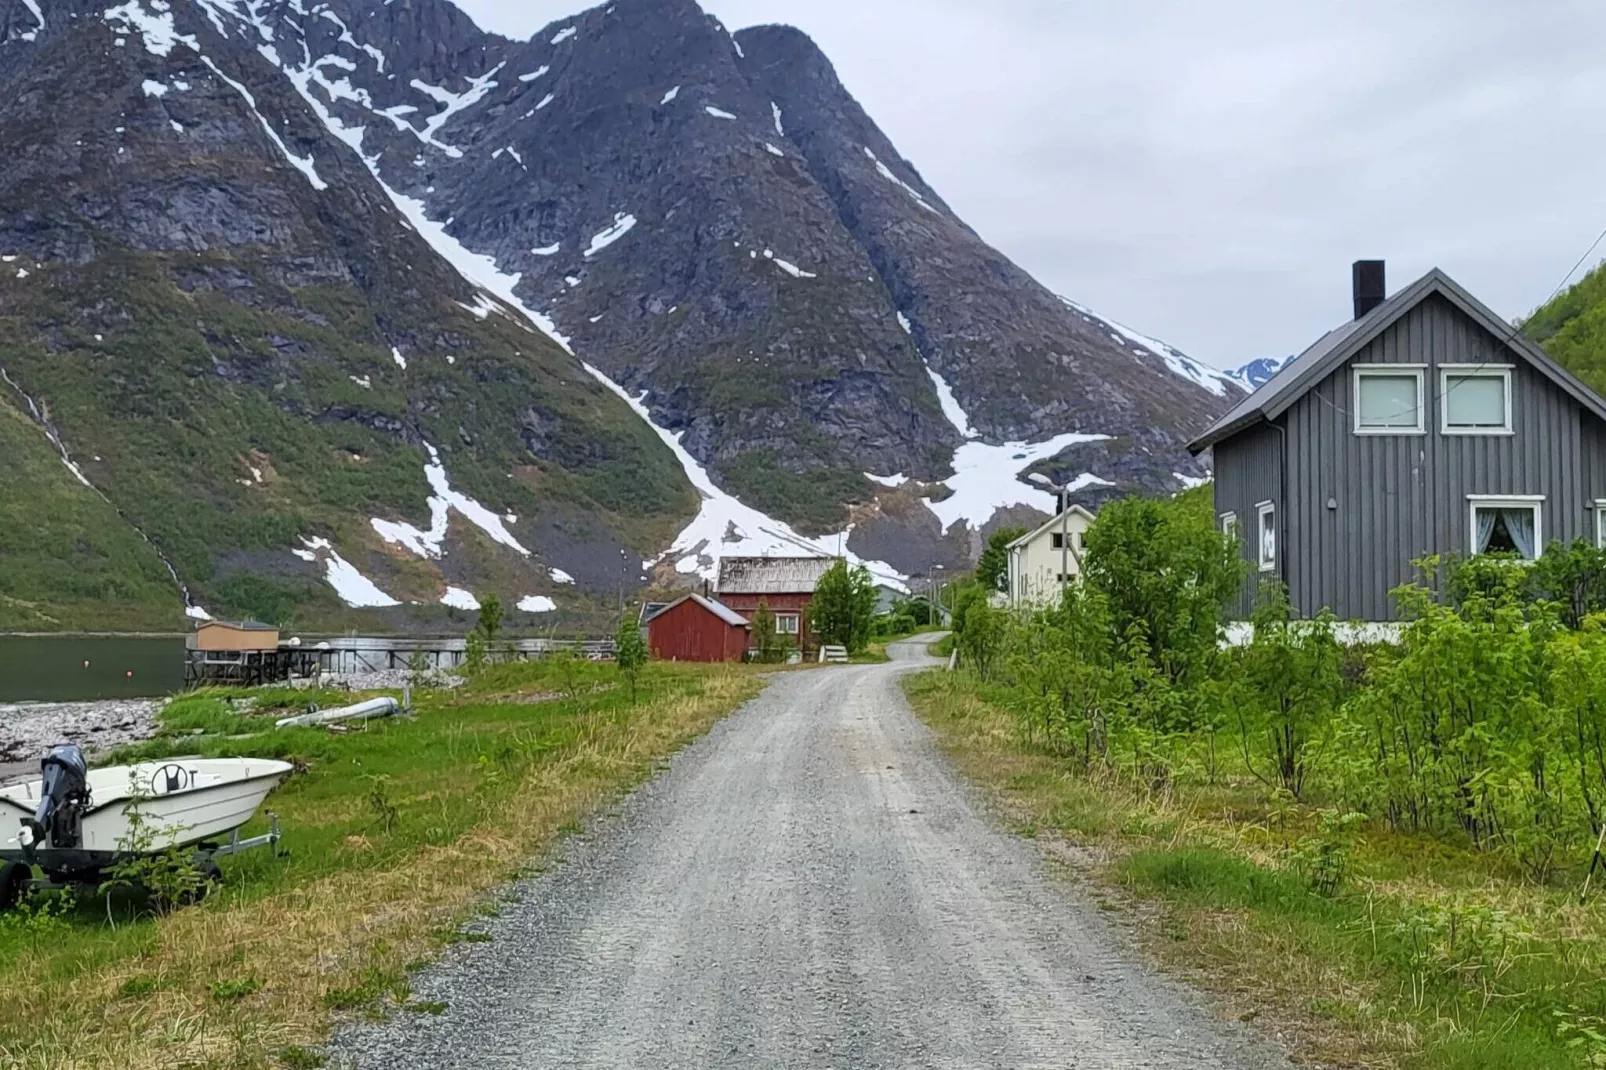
(1424, 425)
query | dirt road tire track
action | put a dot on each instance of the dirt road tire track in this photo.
(808, 886)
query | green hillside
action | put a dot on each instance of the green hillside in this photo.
(67, 560)
(230, 422)
(1572, 328)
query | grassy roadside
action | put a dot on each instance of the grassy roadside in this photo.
(1428, 957)
(397, 833)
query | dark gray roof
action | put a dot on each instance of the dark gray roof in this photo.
(771, 575)
(723, 612)
(1340, 344)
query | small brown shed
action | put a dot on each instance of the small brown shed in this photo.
(244, 635)
(697, 629)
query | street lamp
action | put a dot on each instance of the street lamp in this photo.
(935, 587)
(1063, 494)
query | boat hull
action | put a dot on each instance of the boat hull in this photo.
(213, 798)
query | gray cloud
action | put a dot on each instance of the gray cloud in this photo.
(1206, 172)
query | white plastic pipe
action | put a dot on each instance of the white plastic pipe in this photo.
(362, 711)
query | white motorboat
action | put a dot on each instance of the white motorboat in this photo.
(73, 822)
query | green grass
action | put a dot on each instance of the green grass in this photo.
(393, 832)
(1429, 957)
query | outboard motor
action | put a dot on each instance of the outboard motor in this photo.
(62, 800)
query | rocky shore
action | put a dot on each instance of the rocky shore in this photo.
(28, 729)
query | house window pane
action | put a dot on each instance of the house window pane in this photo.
(1506, 529)
(786, 624)
(1389, 400)
(1268, 538)
(1475, 401)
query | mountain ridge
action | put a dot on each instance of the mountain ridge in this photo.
(788, 308)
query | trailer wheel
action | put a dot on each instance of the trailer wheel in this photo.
(14, 878)
(210, 874)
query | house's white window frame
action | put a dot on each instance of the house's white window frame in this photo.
(1600, 523)
(1262, 511)
(1362, 371)
(782, 620)
(1536, 502)
(1484, 371)
(1229, 524)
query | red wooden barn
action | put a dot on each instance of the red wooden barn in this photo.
(784, 584)
(697, 629)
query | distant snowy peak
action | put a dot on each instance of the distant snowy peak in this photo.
(1257, 373)
(1221, 384)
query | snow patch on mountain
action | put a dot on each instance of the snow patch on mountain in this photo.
(950, 404)
(724, 526)
(429, 544)
(623, 223)
(457, 598)
(886, 173)
(987, 477)
(718, 113)
(788, 267)
(537, 603)
(1177, 362)
(354, 589)
(671, 95)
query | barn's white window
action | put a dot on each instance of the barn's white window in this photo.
(786, 623)
(1600, 523)
(1268, 535)
(1388, 399)
(1476, 399)
(1229, 525)
(1510, 525)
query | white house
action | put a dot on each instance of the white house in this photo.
(1042, 561)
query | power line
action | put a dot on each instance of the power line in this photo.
(1516, 329)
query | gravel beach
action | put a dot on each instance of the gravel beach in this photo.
(28, 729)
(808, 886)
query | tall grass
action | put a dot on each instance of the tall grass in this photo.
(394, 832)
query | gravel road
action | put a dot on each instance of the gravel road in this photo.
(808, 886)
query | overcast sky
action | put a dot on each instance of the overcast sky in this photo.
(1207, 172)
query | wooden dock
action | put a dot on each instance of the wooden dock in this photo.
(356, 656)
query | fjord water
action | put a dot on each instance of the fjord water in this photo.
(53, 668)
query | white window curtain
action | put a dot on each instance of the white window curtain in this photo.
(1520, 525)
(1486, 519)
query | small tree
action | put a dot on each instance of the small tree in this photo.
(490, 622)
(1163, 567)
(843, 611)
(992, 571)
(630, 653)
(769, 646)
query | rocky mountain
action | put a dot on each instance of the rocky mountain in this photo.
(314, 295)
(1256, 373)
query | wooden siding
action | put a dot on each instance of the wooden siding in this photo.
(1363, 507)
(689, 632)
(1248, 471)
(747, 605)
